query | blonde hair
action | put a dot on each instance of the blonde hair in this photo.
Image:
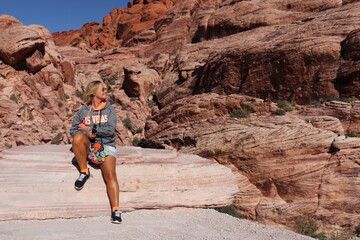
(90, 90)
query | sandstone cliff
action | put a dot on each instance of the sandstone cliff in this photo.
(179, 72)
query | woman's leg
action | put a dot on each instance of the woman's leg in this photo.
(108, 169)
(80, 147)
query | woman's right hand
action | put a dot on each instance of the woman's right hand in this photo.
(91, 135)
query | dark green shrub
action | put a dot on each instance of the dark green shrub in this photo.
(139, 130)
(357, 230)
(54, 128)
(151, 103)
(79, 94)
(136, 141)
(348, 100)
(230, 210)
(116, 103)
(15, 97)
(329, 99)
(127, 123)
(308, 227)
(111, 80)
(8, 145)
(285, 105)
(55, 141)
(351, 134)
(279, 112)
(241, 112)
(133, 99)
(346, 235)
(351, 99)
(149, 118)
(123, 108)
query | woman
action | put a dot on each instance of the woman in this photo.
(96, 122)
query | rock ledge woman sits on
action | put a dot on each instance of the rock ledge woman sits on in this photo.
(95, 122)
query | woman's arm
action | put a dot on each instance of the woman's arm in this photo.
(75, 125)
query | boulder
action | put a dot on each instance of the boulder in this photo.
(139, 81)
(7, 21)
(350, 47)
(347, 112)
(19, 42)
(343, 142)
(36, 62)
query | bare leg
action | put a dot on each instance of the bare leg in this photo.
(80, 146)
(108, 169)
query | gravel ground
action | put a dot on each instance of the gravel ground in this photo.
(180, 223)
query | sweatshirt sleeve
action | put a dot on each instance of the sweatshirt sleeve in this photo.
(109, 128)
(76, 121)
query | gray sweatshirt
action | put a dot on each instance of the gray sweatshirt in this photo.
(105, 130)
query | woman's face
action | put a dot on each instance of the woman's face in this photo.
(101, 93)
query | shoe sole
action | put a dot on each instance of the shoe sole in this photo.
(78, 189)
(116, 222)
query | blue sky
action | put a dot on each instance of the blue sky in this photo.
(60, 15)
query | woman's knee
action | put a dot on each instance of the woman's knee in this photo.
(79, 138)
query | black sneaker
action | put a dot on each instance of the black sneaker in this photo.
(80, 182)
(116, 217)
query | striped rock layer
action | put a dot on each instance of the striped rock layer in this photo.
(38, 183)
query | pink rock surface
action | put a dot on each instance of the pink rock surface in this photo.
(148, 178)
(18, 42)
(339, 195)
(280, 162)
(347, 112)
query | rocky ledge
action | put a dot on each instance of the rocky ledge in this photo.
(37, 183)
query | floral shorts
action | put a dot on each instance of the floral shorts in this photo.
(109, 150)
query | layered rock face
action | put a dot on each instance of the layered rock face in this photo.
(33, 78)
(201, 77)
(123, 27)
(151, 179)
(297, 61)
(283, 164)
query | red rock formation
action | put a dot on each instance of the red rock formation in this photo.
(122, 27)
(33, 93)
(283, 164)
(298, 61)
(348, 74)
(207, 56)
